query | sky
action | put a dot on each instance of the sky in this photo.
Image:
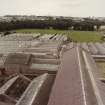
(73, 8)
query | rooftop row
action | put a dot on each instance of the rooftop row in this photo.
(78, 81)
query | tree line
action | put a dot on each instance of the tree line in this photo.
(63, 24)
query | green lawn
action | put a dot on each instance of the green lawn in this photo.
(86, 36)
(79, 36)
(42, 31)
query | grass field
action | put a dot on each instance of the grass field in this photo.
(79, 36)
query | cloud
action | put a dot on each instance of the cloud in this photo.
(53, 7)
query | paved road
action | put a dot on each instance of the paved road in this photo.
(67, 89)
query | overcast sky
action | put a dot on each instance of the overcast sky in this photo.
(76, 8)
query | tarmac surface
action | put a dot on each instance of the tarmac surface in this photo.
(67, 89)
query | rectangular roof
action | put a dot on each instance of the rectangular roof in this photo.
(18, 58)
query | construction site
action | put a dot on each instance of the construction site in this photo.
(51, 69)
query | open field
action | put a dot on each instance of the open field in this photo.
(79, 36)
(86, 36)
(42, 31)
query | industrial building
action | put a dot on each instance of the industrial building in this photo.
(49, 69)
